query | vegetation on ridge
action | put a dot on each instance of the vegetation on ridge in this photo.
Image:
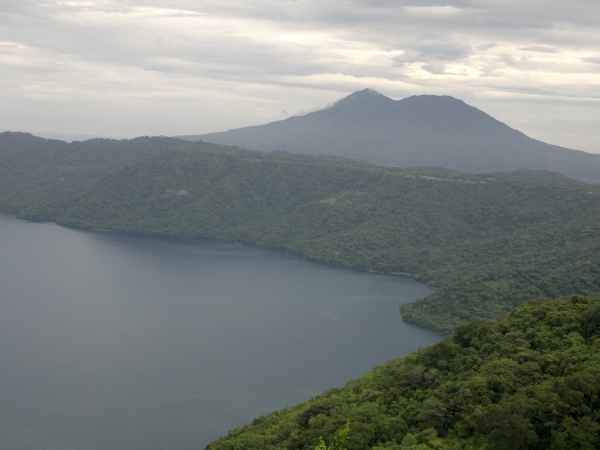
(528, 381)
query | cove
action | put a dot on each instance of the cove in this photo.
(120, 342)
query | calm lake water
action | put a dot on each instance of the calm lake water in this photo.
(125, 343)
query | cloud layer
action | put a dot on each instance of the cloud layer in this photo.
(173, 67)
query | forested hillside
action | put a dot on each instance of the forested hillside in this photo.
(528, 381)
(485, 242)
(48, 173)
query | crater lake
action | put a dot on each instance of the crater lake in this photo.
(124, 342)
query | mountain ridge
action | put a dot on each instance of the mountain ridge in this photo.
(417, 131)
(484, 242)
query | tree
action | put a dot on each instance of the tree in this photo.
(338, 440)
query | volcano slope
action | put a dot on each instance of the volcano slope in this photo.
(418, 131)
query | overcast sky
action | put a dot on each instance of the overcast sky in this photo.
(134, 67)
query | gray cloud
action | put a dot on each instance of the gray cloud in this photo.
(539, 48)
(434, 69)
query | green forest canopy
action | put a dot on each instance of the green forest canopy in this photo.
(486, 243)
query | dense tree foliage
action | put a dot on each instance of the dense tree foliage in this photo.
(529, 381)
(486, 243)
(40, 177)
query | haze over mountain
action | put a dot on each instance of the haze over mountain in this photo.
(418, 131)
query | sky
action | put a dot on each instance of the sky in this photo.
(170, 67)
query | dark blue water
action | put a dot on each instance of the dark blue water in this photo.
(117, 342)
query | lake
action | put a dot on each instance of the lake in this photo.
(122, 342)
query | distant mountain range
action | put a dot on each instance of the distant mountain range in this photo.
(418, 131)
